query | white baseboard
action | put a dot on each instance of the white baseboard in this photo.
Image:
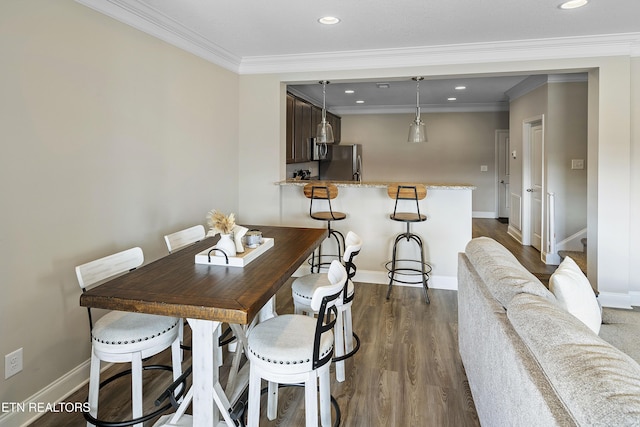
(382, 278)
(573, 242)
(551, 259)
(515, 233)
(635, 298)
(481, 214)
(617, 300)
(29, 410)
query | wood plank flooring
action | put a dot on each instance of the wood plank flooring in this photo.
(407, 373)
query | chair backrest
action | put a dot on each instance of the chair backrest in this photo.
(321, 191)
(353, 244)
(185, 237)
(324, 302)
(407, 192)
(104, 268)
(109, 266)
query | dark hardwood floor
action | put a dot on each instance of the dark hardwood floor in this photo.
(407, 373)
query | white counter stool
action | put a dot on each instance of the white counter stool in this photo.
(302, 291)
(120, 337)
(176, 241)
(410, 274)
(293, 349)
(324, 192)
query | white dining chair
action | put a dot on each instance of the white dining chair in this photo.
(125, 337)
(302, 290)
(176, 241)
(293, 349)
(185, 237)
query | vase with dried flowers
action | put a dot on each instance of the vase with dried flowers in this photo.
(223, 224)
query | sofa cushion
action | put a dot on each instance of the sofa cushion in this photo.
(500, 270)
(574, 293)
(599, 384)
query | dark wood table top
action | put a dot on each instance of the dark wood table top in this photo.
(176, 286)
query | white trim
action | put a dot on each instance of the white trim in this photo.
(573, 242)
(515, 233)
(487, 107)
(550, 258)
(55, 392)
(144, 18)
(525, 225)
(614, 299)
(524, 87)
(635, 298)
(481, 214)
(467, 53)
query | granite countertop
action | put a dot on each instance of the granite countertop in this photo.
(376, 184)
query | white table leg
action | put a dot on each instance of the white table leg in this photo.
(205, 372)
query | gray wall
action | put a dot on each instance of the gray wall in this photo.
(564, 107)
(110, 139)
(458, 144)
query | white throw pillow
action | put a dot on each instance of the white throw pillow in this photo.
(573, 291)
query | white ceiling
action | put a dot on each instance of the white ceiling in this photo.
(278, 35)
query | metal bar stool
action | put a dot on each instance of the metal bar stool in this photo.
(326, 192)
(410, 192)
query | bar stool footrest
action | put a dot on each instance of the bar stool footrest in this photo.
(409, 271)
(351, 353)
(142, 419)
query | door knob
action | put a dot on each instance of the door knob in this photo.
(529, 190)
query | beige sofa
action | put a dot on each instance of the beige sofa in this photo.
(530, 362)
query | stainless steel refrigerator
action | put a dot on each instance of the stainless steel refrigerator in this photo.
(343, 163)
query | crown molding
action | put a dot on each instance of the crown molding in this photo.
(144, 18)
(148, 20)
(535, 81)
(517, 50)
(489, 107)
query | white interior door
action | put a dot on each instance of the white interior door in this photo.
(503, 174)
(536, 138)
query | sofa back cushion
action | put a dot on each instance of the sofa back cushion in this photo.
(599, 384)
(501, 272)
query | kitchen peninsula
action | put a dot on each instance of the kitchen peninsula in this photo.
(367, 205)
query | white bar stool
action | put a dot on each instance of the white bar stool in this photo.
(291, 349)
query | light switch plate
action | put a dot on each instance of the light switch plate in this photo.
(484, 168)
(577, 163)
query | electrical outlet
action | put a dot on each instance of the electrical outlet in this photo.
(12, 363)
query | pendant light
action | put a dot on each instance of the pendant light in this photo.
(324, 131)
(417, 128)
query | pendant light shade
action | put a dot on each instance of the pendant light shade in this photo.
(324, 131)
(417, 128)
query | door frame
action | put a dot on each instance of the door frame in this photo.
(527, 168)
(496, 174)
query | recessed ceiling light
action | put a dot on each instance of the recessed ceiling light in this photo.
(360, 101)
(573, 4)
(328, 20)
(460, 87)
(451, 99)
(349, 91)
(383, 85)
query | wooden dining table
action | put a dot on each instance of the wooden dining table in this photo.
(208, 295)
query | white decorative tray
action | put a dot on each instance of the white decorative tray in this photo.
(240, 260)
